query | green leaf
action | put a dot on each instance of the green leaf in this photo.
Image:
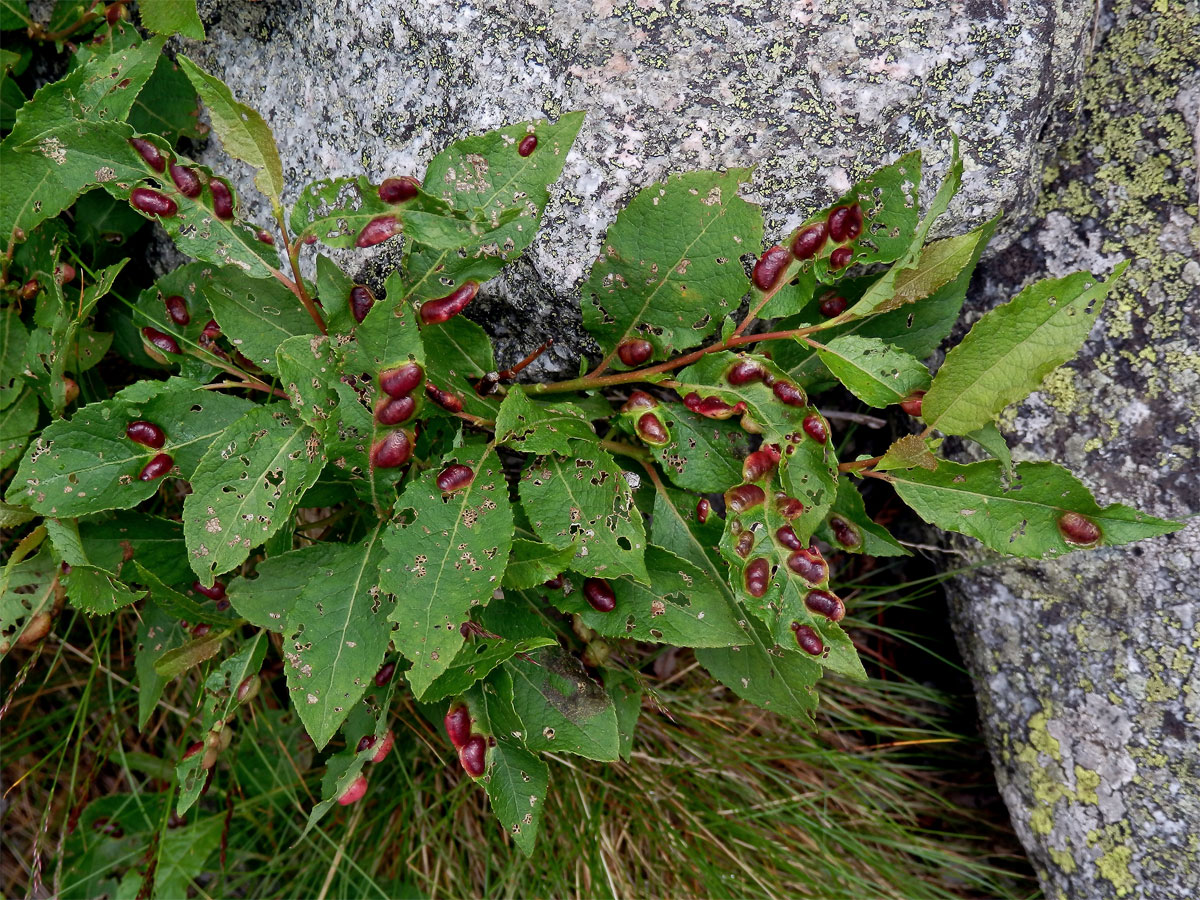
(157, 633)
(533, 427)
(475, 659)
(87, 464)
(849, 514)
(172, 17)
(113, 541)
(888, 199)
(533, 563)
(308, 371)
(683, 607)
(876, 373)
(1012, 348)
(220, 701)
(516, 788)
(445, 557)
(26, 589)
(11, 516)
(167, 105)
(703, 454)
(188, 282)
(259, 313)
(752, 536)
(484, 174)
(68, 139)
(906, 452)
(388, 336)
(183, 606)
(13, 339)
(246, 487)
(905, 281)
(333, 290)
(14, 14)
(189, 655)
(782, 682)
(587, 503)
(18, 423)
(370, 717)
(990, 439)
(563, 710)
(809, 467)
(463, 356)
(1019, 517)
(266, 600)
(336, 636)
(90, 587)
(670, 266)
(626, 695)
(242, 131)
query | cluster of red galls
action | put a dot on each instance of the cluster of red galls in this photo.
(187, 182)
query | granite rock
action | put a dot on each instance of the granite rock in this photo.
(816, 93)
(1087, 669)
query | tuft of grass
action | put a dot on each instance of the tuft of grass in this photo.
(890, 795)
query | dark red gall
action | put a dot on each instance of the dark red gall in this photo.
(400, 381)
(651, 430)
(809, 565)
(599, 595)
(398, 190)
(788, 393)
(146, 433)
(357, 788)
(1077, 529)
(151, 154)
(528, 145)
(823, 603)
(810, 642)
(222, 199)
(844, 533)
(809, 241)
(769, 267)
(186, 181)
(384, 675)
(445, 308)
(177, 309)
(912, 405)
(163, 342)
(444, 399)
(744, 497)
(715, 408)
(361, 301)
(788, 507)
(455, 478)
(832, 305)
(839, 223)
(473, 756)
(639, 400)
(634, 351)
(745, 543)
(758, 577)
(703, 508)
(458, 725)
(759, 464)
(854, 222)
(377, 231)
(153, 203)
(786, 537)
(216, 592)
(389, 411)
(392, 451)
(814, 427)
(384, 746)
(745, 372)
(366, 742)
(840, 258)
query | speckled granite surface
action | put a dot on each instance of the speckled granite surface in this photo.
(1087, 669)
(816, 92)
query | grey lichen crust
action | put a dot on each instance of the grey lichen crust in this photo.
(1087, 668)
(817, 94)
